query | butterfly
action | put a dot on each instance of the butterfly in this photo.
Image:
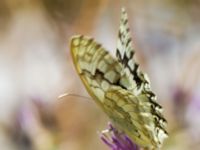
(119, 87)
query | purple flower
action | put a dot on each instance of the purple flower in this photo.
(117, 140)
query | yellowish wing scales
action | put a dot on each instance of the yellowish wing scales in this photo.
(121, 90)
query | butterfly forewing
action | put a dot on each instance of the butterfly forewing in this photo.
(124, 54)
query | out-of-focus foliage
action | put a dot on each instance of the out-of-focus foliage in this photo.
(35, 63)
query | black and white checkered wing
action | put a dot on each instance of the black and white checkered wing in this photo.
(125, 52)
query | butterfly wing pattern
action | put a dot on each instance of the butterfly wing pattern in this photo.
(120, 88)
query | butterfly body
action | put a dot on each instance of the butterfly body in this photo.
(119, 88)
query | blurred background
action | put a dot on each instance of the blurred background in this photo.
(36, 67)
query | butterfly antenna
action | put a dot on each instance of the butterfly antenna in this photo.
(73, 95)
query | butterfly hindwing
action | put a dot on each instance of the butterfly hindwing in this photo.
(96, 67)
(93, 64)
